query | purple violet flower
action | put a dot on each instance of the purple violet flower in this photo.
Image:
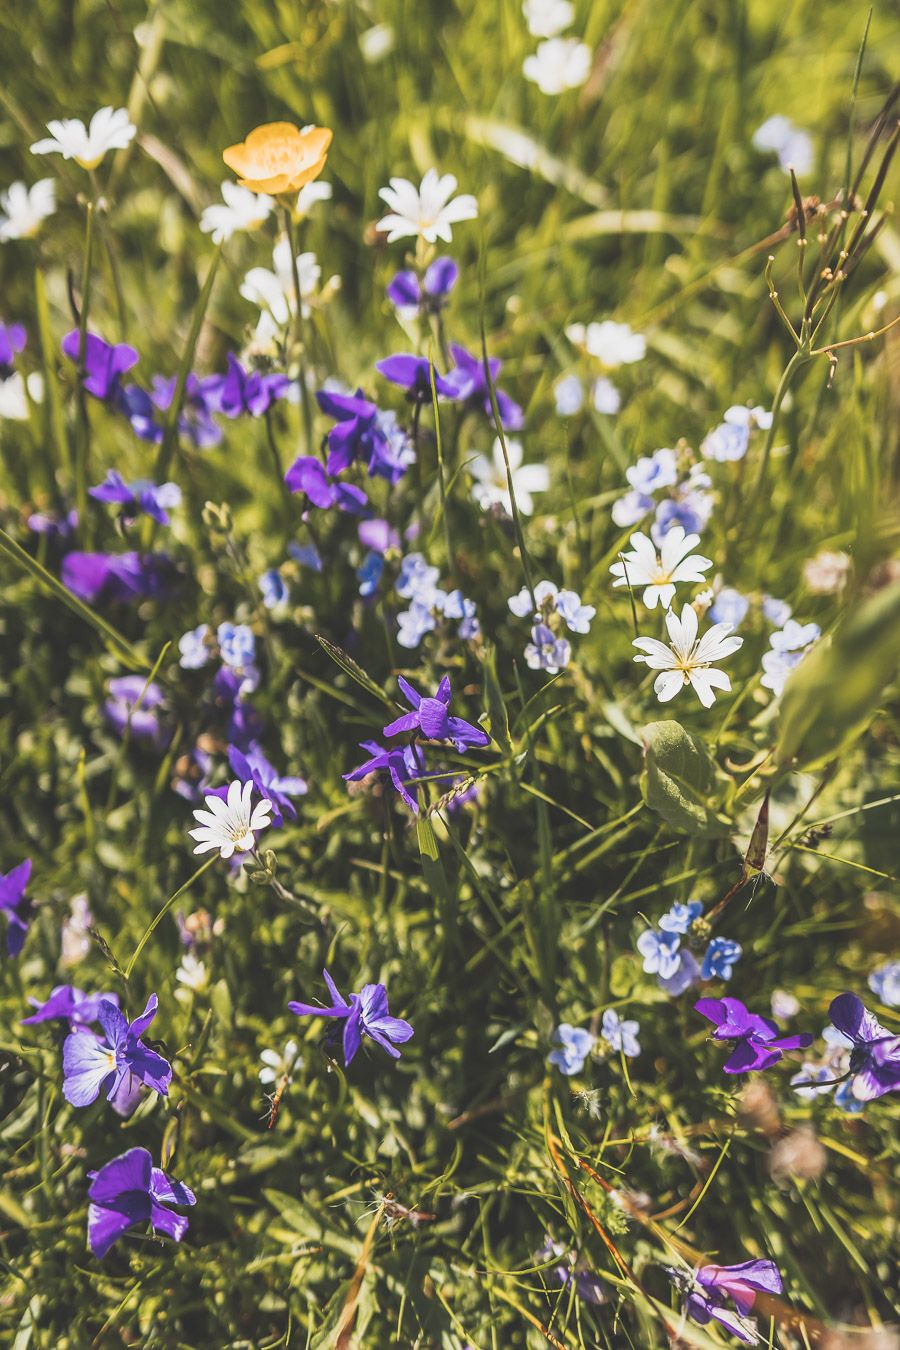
(758, 1043)
(253, 767)
(875, 1056)
(378, 535)
(92, 1065)
(413, 373)
(130, 1190)
(136, 404)
(66, 1003)
(430, 717)
(308, 475)
(402, 764)
(410, 298)
(366, 1015)
(142, 722)
(195, 422)
(104, 362)
(118, 576)
(14, 905)
(241, 391)
(351, 436)
(707, 1290)
(12, 341)
(468, 384)
(139, 496)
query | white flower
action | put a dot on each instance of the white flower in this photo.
(826, 573)
(427, 211)
(278, 1063)
(243, 210)
(377, 42)
(661, 572)
(274, 290)
(544, 592)
(569, 395)
(792, 146)
(613, 344)
(688, 661)
(491, 487)
(110, 129)
(558, 64)
(74, 935)
(228, 825)
(547, 18)
(606, 397)
(192, 973)
(309, 195)
(741, 416)
(15, 393)
(22, 209)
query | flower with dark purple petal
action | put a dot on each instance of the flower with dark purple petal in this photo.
(134, 705)
(104, 363)
(875, 1053)
(242, 391)
(195, 422)
(413, 373)
(708, 1288)
(402, 764)
(92, 1065)
(354, 423)
(253, 767)
(431, 718)
(410, 297)
(468, 383)
(117, 576)
(136, 404)
(138, 496)
(366, 1014)
(308, 475)
(758, 1044)
(15, 906)
(129, 1190)
(12, 341)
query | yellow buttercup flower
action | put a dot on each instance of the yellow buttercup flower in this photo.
(279, 157)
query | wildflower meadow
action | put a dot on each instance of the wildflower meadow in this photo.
(449, 633)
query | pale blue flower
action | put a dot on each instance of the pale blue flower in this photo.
(569, 395)
(576, 615)
(793, 146)
(726, 442)
(546, 652)
(605, 397)
(660, 952)
(687, 974)
(652, 472)
(679, 918)
(237, 644)
(417, 580)
(274, 588)
(631, 508)
(621, 1034)
(718, 963)
(575, 1044)
(885, 983)
(369, 573)
(414, 623)
(307, 555)
(729, 607)
(777, 612)
(194, 648)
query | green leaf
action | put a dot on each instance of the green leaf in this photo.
(350, 667)
(496, 705)
(680, 779)
(834, 693)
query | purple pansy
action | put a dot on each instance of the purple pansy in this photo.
(407, 294)
(136, 404)
(104, 363)
(875, 1056)
(130, 1190)
(117, 576)
(354, 427)
(15, 906)
(66, 1003)
(195, 421)
(142, 721)
(413, 373)
(138, 496)
(402, 764)
(758, 1042)
(708, 1288)
(308, 475)
(92, 1065)
(366, 1014)
(12, 341)
(253, 767)
(468, 383)
(242, 391)
(430, 717)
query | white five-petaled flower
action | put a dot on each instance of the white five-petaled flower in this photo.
(426, 212)
(274, 291)
(547, 18)
(687, 660)
(612, 344)
(22, 209)
(110, 129)
(560, 63)
(229, 825)
(660, 572)
(240, 210)
(192, 973)
(277, 1063)
(491, 487)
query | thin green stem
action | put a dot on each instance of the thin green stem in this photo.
(299, 330)
(82, 457)
(799, 359)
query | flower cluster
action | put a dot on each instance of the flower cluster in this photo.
(606, 345)
(417, 582)
(686, 501)
(787, 647)
(573, 1045)
(673, 951)
(560, 63)
(552, 611)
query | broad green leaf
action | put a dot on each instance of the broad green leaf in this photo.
(680, 780)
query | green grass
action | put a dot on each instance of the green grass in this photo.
(646, 203)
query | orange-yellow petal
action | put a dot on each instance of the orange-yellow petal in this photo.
(278, 157)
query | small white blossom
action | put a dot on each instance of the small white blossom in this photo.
(660, 572)
(491, 487)
(826, 573)
(547, 18)
(427, 211)
(273, 291)
(110, 129)
(605, 397)
(192, 973)
(569, 395)
(23, 209)
(793, 147)
(15, 391)
(309, 195)
(612, 344)
(687, 660)
(242, 210)
(739, 415)
(229, 825)
(558, 64)
(278, 1063)
(75, 938)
